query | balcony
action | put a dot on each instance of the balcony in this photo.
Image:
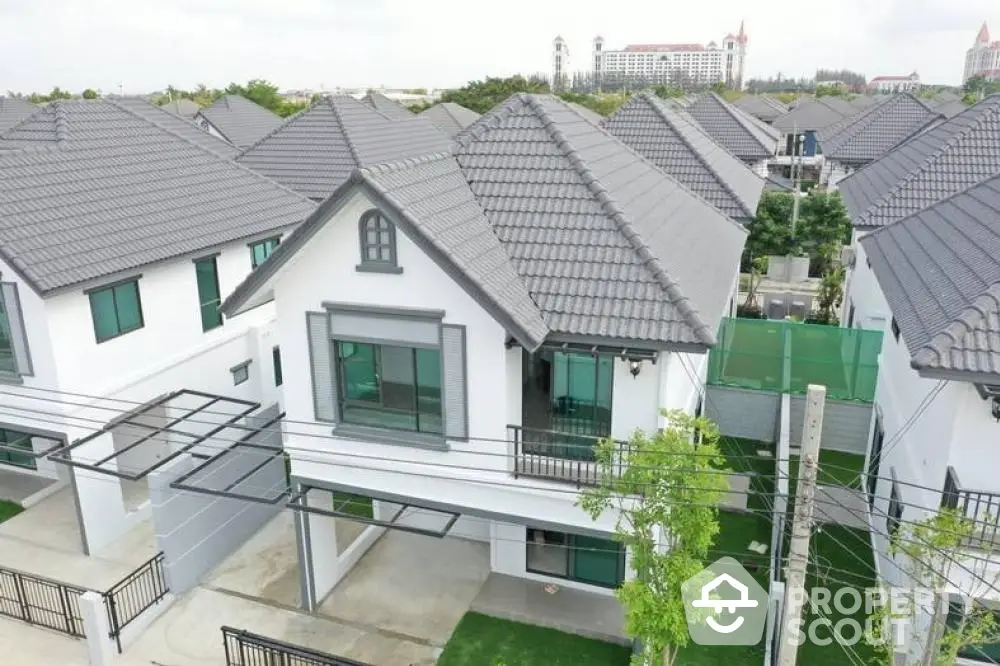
(982, 507)
(559, 456)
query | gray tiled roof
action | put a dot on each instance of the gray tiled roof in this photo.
(386, 106)
(184, 108)
(83, 123)
(74, 214)
(775, 135)
(13, 111)
(761, 107)
(874, 132)
(238, 119)
(450, 118)
(608, 245)
(940, 272)
(592, 116)
(673, 141)
(732, 128)
(862, 102)
(316, 150)
(944, 160)
(838, 104)
(951, 109)
(809, 114)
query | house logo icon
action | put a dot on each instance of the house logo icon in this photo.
(725, 605)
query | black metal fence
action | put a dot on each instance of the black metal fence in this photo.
(560, 456)
(42, 602)
(134, 594)
(246, 649)
(981, 507)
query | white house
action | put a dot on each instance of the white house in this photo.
(459, 329)
(237, 120)
(753, 141)
(116, 245)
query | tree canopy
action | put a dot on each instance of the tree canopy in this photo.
(481, 96)
(823, 224)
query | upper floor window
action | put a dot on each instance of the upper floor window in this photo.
(261, 250)
(209, 299)
(15, 360)
(116, 310)
(378, 244)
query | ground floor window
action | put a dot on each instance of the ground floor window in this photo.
(389, 386)
(585, 559)
(11, 439)
(985, 652)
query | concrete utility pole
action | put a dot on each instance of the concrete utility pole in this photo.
(802, 521)
(798, 144)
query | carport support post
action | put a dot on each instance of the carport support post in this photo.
(798, 551)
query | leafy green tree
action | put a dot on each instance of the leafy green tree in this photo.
(481, 96)
(90, 93)
(831, 294)
(664, 488)
(823, 223)
(830, 90)
(771, 230)
(258, 91)
(603, 104)
(927, 550)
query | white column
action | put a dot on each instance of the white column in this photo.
(323, 544)
(101, 650)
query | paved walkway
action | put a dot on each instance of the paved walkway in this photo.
(841, 506)
(17, 486)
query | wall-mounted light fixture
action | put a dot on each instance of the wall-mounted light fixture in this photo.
(634, 367)
(995, 407)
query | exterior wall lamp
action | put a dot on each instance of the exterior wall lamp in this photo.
(634, 367)
(995, 407)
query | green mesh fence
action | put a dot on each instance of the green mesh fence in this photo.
(787, 356)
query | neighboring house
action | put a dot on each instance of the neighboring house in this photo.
(450, 118)
(63, 123)
(862, 102)
(386, 106)
(673, 141)
(807, 119)
(929, 167)
(860, 140)
(316, 150)
(592, 116)
(739, 133)
(761, 107)
(888, 85)
(931, 281)
(464, 326)
(237, 120)
(182, 107)
(13, 111)
(116, 245)
(951, 108)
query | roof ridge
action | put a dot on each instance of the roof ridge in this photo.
(347, 137)
(284, 123)
(485, 122)
(61, 122)
(611, 208)
(931, 158)
(873, 114)
(659, 110)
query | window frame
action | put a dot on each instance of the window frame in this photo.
(6, 332)
(5, 456)
(263, 242)
(218, 290)
(112, 287)
(894, 327)
(366, 265)
(377, 346)
(894, 512)
(242, 368)
(279, 378)
(570, 547)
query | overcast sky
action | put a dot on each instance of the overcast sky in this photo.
(146, 44)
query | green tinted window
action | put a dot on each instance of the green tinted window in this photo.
(207, 276)
(389, 386)
(11, 439)
(259, 252)
(116, 310)
(6, 344)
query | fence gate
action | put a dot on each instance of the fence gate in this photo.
(42, 602)
(132, 595)
(246, 649)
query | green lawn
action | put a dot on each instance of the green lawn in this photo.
(480, 640)
(836, 468)
(356, 505)
(9, 510)
(739, 528)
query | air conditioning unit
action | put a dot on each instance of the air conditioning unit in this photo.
(848, 256)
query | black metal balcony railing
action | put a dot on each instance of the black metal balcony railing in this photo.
(559, 456)
(982, 507)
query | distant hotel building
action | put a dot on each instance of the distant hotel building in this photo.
(895, 84)
(983, 59)
(560, 64)
(674, 63)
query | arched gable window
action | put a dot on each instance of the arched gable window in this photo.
(378, 243)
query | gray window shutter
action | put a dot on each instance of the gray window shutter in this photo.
(456, 398)
(324, 380)
(15, 321)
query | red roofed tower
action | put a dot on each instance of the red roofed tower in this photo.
(984, 35)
